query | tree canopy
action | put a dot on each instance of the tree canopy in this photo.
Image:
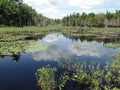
(93, 20)
(17, 13)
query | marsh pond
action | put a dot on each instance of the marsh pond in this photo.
(20, 59)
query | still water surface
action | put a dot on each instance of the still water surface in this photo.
(17, 72)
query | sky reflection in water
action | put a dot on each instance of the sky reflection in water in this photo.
(61, 47)
(17, 72)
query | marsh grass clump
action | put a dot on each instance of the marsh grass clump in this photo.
(82, 76)
(92, 77)
(85, 77)
(112, 76)
(46, 78)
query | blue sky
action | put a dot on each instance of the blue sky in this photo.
(61, 8)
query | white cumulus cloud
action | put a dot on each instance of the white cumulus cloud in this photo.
(48, 8)
(61, 8)
(85, 4)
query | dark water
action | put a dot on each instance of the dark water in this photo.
(17, 72)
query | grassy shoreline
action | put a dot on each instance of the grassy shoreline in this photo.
(57, 28)
(34, 31)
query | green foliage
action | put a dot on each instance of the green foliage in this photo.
(85, 77)
(10, 45)
(63, 80)
(112, 76)
(10, 48)
(35, 29)
(15, 13)
(46, 78)
(93, 20)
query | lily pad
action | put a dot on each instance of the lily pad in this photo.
(21, 46)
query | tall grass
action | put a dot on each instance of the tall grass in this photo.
(55, 28)
(36, 28)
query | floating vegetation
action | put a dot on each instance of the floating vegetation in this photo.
(34, 46)
(16, 47)
(9, 38)
(112, 45)
(10, 48)
(15, 44)
(117, 55)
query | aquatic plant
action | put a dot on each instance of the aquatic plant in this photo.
(117, 55)
(46, 78)
(20, 46)
(83, 77)
(34, 46)
(80, 75)
(112, 76)
(63, 80)
(112, 45)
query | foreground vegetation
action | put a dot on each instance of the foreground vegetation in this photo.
(80, 76)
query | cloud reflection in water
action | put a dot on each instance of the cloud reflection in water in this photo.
(89, 49)
(52, 38)
(52, 53)
(56, 52)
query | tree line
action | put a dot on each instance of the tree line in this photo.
(93, 20)
(17, 13)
